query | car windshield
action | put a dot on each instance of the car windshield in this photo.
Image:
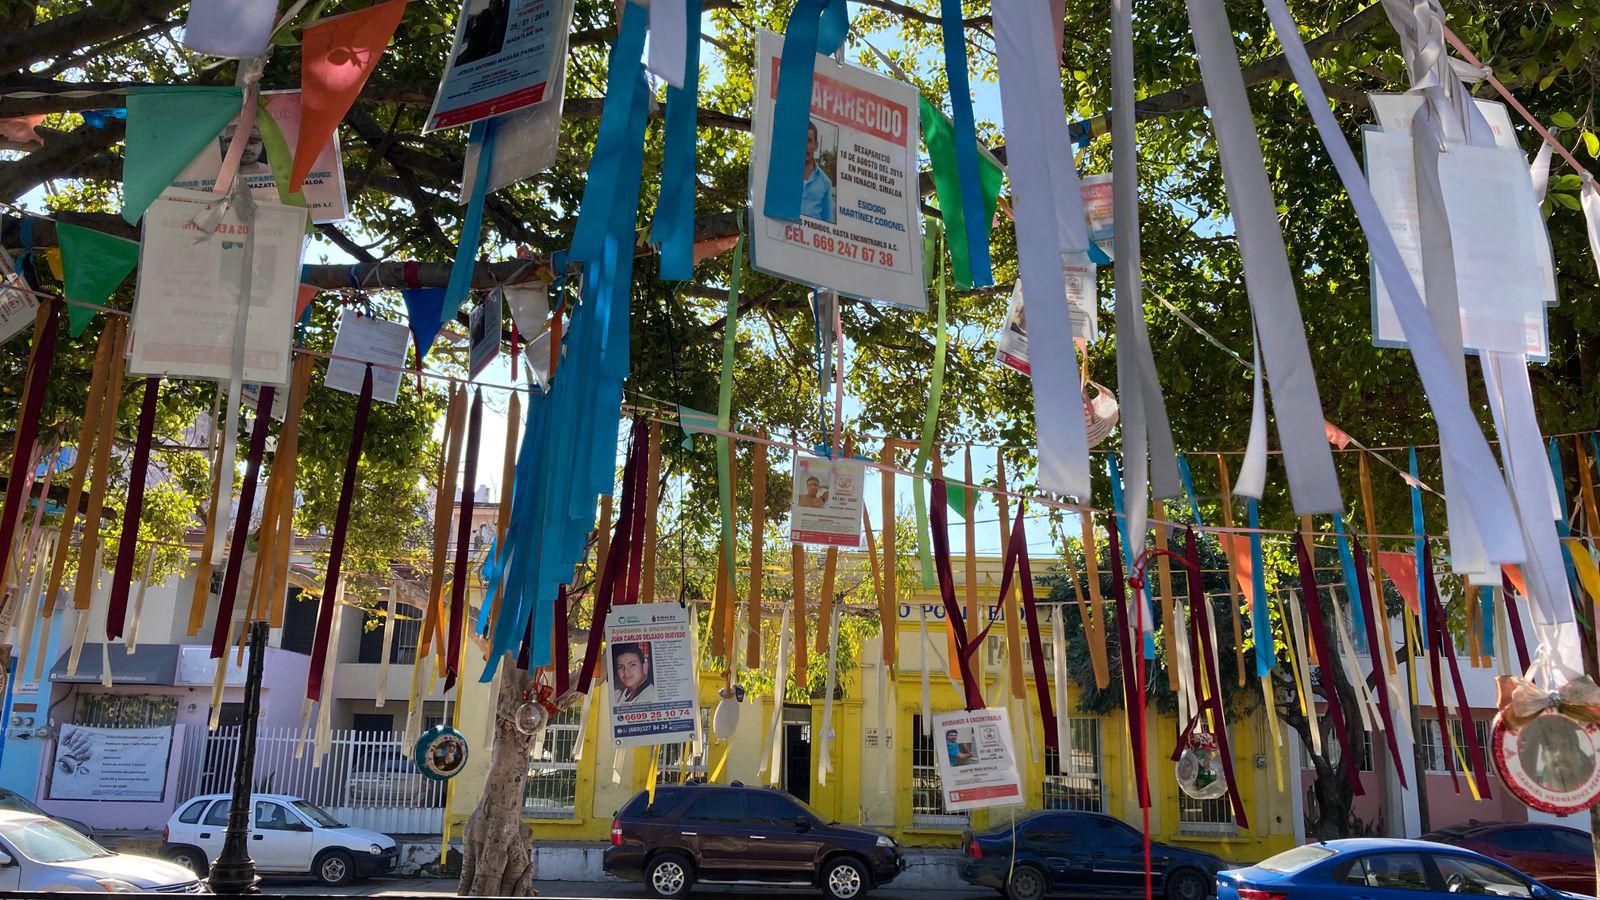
(316, 815)
(49, 841)
(15, 802)
(1296, 859)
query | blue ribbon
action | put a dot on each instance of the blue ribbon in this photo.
(1486, 619)
(815, 26)
(1260, 616)
(1188, 487)
(966, 140)
(1419, 545)
(471, 230)
(673, 227)
(624, 80)
(1563, 527)
(1352, 583)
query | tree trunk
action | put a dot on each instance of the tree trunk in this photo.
(497, 846)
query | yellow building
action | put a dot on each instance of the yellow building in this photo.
(882, 765)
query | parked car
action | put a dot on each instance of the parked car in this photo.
(391, 782)
(1379, 869)
(15, 802)
(696, 833)
(38, 853)
(1087, 854)
(288, 836)
(1556, 855)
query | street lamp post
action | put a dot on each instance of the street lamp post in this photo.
(234, 872)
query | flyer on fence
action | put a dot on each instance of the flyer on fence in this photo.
(365, 339)
(859, 231)
(652, 674)
(187, 301)
(977, 764)
(827, 502)
(127, 764)
(1011, 348)
(505, 58)
(324, 185)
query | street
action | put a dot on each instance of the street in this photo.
(562, 890)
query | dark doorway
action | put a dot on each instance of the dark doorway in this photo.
(797, 751)
(299, 622)
(366, 722)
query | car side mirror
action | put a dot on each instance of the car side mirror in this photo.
(1540, 892)
(6, 860)
(299, 826)
(802, 822)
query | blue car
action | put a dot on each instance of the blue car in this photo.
(1378, 869)
(1084, 855)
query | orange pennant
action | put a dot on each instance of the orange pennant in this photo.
(1237, 546)
(337, 55)
(1402, 570)
(1515, 574)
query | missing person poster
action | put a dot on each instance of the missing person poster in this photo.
(128, 764)
(827, 502)
(324, 186)
(17, 306)
(859, 231)
(651, 674)
(505, 58)
(1011, 348)
(485, 325)
(977, 765)
(364, 339)
(187, 302)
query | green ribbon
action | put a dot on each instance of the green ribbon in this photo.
(730, 331)
(930, 421)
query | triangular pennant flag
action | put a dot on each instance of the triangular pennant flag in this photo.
(303, 298)
(167, 129)
(530, 305)
(425, 308)
(938, 134)
(956, 498)
(93, 265)
(1402, 570)
(337, 55)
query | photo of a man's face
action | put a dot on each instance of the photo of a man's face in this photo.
(1556, 754)
(254, 158)
(959, 751)
(630, 667)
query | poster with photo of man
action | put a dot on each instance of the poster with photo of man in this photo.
(976, 761)
(651, 672)
(827, 502)
(506, 57)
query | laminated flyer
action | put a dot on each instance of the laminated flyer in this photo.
(977, 764)
(827, 502)
(1011, 348)
(506, 56)
(651, 675)
(859, 231)
(364, 339)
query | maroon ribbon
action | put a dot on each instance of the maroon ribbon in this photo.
(1374, 641)
(1311, 595)
(939, 524)
(1130, 690)
(117, 603)
(241, 522)
(1201, 640)
(636, 530)
(458, 577)
(1017, 556)
(1510, 593)
(341, 526)
(27, 435)
(1439, 642)
(563, 651)
(616, 560)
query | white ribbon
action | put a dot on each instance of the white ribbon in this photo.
(772, 750)
(668, 56)
(382, 693)
(1058, 643)
(825, 761)
(1252, 481)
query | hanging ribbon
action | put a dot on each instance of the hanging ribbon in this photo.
(1204, 643)
(481, 136)
(1514, 620)
(1123, 519)
(758, 540)
(341, 527)
(444, 498)
(1419, 545)
(108, 359)
(1132, 691)
(975, 224)
(947, 594)
(46, 323)
(798, 608)
(1234, 583)
(1009, 602)
(1094, 611)
(1368, 607)
(138, 468)
(1442, 645)
(1351, 579)
(673, 227)
(458, 577)
(612, 574)
(241, 524)
(730, 331)
(1326, 662)
(815, 27)
(270, 584)
(930, 423)
(1017, 556)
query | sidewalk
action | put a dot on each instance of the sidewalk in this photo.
(560, 890)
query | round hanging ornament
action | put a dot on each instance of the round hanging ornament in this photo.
(441, 752)
(1546, 744)
(1199, 767)
(535, 710)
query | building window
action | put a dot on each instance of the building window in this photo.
(927, 794)
(1072, 780)
(125, 711)
(1205, 817)
(1331, 745)
(407, 631)
(1433, 752)
(551, 791)
(670, 765)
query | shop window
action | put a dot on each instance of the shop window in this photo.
(1331, 745)
(927, 794)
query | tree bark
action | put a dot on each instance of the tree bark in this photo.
(497, 846)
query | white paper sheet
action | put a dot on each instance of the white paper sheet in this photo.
(230, 28)
(363, 339)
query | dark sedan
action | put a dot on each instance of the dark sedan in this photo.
(1088, 854)
(730, 833)
(1561, 857)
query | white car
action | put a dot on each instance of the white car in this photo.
(38, 853)
(288, 836)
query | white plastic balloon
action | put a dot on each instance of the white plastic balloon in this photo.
(725, 719)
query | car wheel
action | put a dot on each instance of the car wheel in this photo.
(844, 879)
(334, 868)
(1027, 883)
(670, 875)
(190, 858)
(1187, 885)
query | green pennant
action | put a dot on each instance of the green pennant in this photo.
(93, 264)
(167, 129)
(938, 134)
(956, 498)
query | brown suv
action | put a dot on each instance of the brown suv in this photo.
(735, 834)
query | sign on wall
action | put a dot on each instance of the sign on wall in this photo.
(977, 764)
(651, 674)
(859, 231)
(125, 764)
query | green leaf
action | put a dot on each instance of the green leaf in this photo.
(1567, 200)
(1545, 82)
(1591, 144)
(1563, 119)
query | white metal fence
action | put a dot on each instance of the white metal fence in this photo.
(366, 779)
